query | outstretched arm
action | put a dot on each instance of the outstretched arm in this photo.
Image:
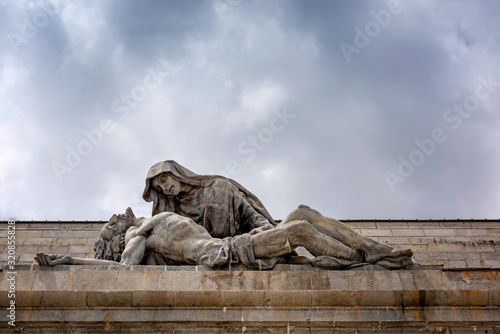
(54, 260)
(133, 254)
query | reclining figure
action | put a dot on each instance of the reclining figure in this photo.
(180, 240)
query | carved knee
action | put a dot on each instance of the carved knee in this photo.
(307, 213)
(301, 212)
(300, 232)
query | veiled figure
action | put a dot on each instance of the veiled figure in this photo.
(222, 206)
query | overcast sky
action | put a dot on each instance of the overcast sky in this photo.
(379, 109)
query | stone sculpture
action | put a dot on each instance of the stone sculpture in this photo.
(179, 239)
(212, 220)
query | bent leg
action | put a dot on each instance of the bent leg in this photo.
(283, 239)
(372, 249)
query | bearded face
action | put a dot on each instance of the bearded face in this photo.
(110, 249)
(117, 225)
(111, 242)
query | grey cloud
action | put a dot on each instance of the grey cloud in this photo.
(352, 120)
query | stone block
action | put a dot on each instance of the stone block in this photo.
(426, 281)
(27, 298)
(319, 315)
(146, 298)
(89, 234)
(52, 280)
(406, 279)
(288, 298)
(356, 316)
(441, 232)
(60, 233)
(455, 264)
(125, 316)
(361, 225)
(305, 330)
(350, 280)
(387, 280)
(462, 256)
(485, 224)
(472, 232)
(109, 298)
(24, 234)
(379, 232)
(27, 257)
(446, 248)
(475, 280)
(38, 226)
(467, 298)
(413, 298)
(494, 256)
(86, 316)
(264, 280)
(226, 314)
(221, 280)
(494, 297)
(187, 315)
(494, 232)
(492, 264)
(395, 240)
(81, 249)
(94, 280)
(197, 298)
(334, 298)
(424, 224)
(319, 280)
(137, 280)
(79, 226)
(485, 315)
(378, 298)
(243, 298)
(74, 241)
(262, 316)
(410, 232)
(23, 280)
(482, 247)
(298, 280)
(46, 315)
(392, 225)
(466, 225)
(32, 241)
(422, 241)
(52, 249)
(179, 281)
(430, 256)
(56, 298)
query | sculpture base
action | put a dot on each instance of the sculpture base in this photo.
(289, 299)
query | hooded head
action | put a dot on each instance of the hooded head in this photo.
(162, 203)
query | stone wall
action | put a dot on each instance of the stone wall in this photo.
(455, 289)
(290, 299)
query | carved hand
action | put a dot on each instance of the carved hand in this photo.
(261, 229)
(52, 260)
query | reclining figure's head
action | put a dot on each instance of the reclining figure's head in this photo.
(117, 225)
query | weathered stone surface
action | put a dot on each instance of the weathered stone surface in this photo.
(293, 299)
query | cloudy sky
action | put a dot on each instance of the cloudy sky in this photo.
(379, 109)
